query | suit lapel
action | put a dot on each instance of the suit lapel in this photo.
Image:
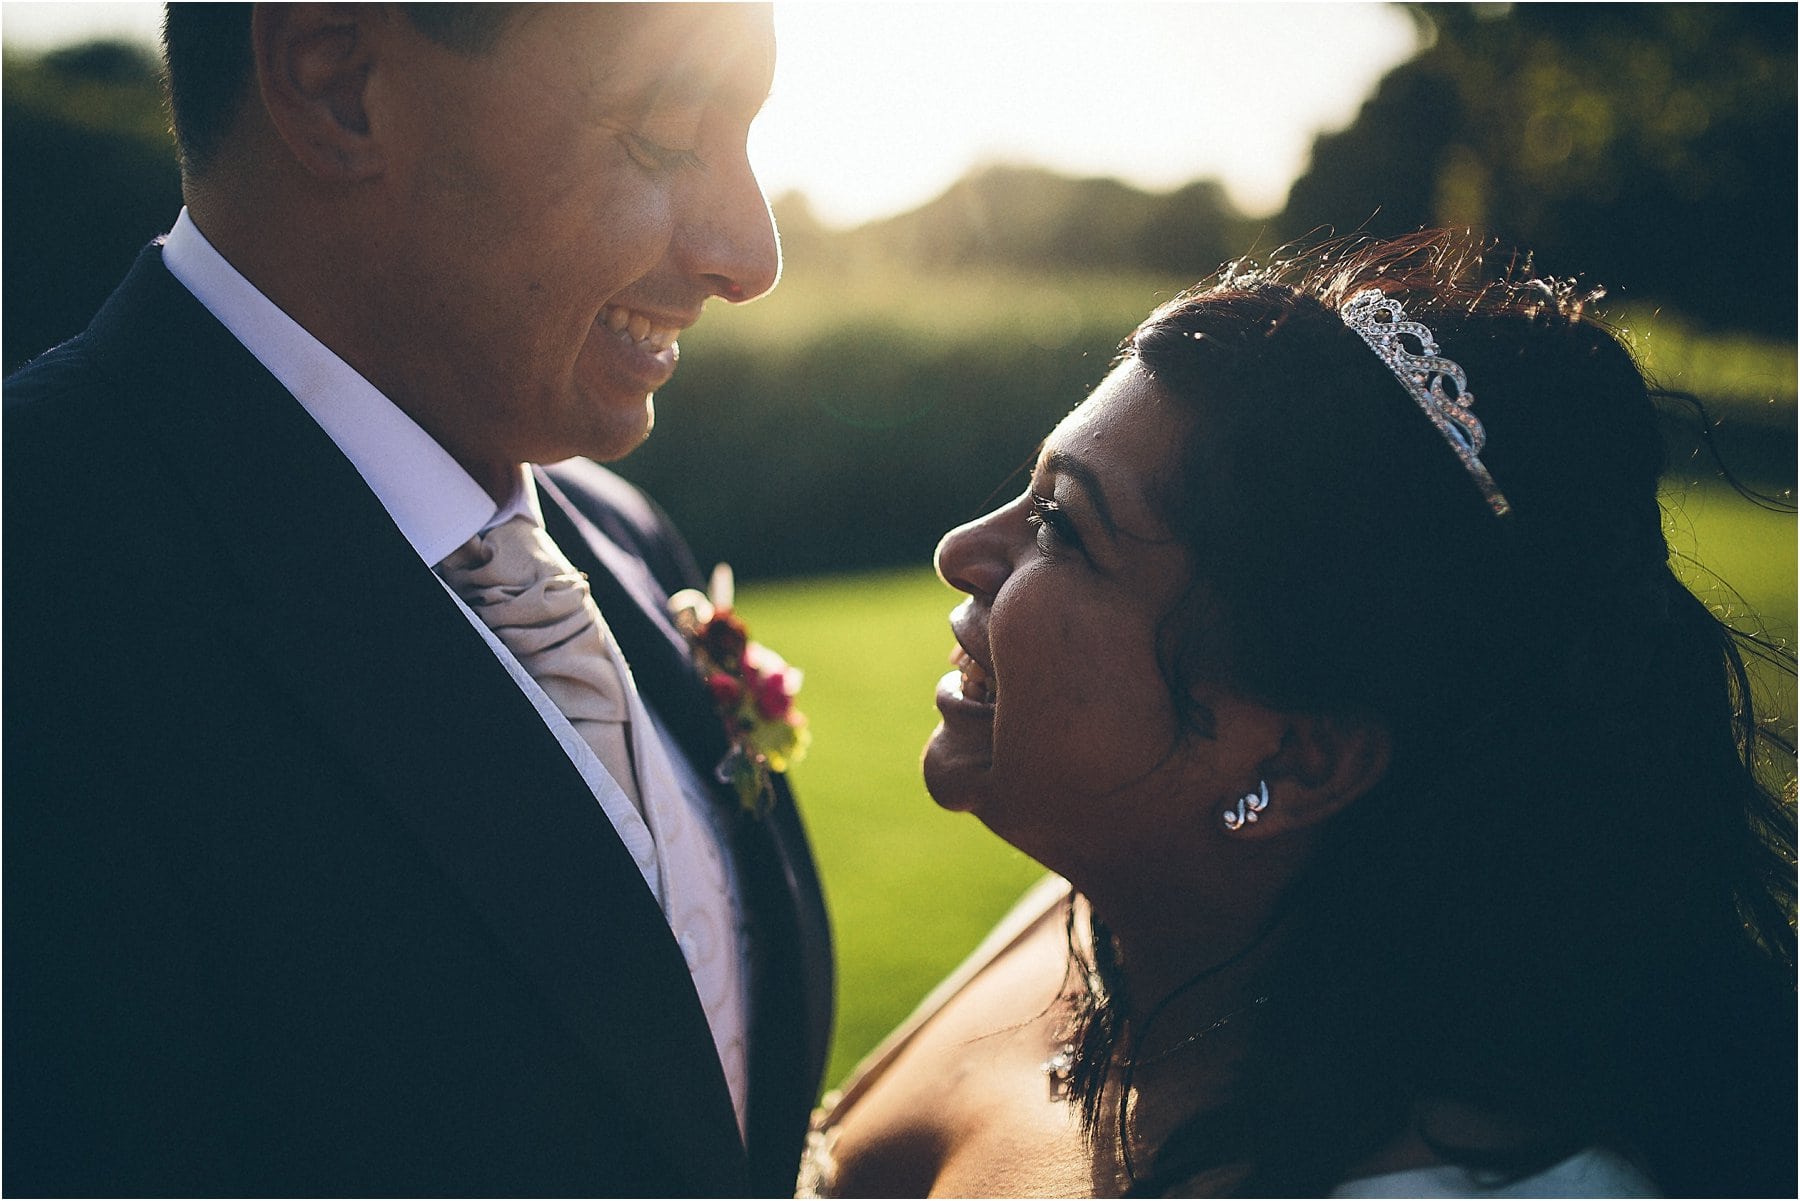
(792, 999)
(636, 607)
(317, 585)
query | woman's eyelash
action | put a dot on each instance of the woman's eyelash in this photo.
(1048, 516)
(658, 157)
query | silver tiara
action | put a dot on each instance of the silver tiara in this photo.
(1382, 323)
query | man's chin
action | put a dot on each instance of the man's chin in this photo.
(623, 433)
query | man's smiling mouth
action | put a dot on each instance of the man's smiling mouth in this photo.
(635, 328)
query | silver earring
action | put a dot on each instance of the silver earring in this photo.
(1248, 806)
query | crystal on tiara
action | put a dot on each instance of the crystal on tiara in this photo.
(1381, 322)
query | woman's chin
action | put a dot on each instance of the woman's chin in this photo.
(955, 772)
(959, 756)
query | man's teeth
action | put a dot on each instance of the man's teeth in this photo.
(976, 684)
(635, 327)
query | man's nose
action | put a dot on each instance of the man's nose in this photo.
(730, 239)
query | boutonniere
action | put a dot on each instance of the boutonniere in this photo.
(752, 686)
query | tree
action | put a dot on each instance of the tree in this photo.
(1650, 146)
(90, 178)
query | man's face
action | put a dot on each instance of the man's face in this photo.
(558, 210)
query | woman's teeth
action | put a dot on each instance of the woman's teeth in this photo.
(976, 685)
(635, 327)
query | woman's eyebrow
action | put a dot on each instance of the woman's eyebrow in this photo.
(1061, 462)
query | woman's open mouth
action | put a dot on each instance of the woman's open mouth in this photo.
(974, 682)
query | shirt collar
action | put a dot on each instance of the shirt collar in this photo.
(435, 503)
(523, 502)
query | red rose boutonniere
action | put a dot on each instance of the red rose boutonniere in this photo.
(752, 686)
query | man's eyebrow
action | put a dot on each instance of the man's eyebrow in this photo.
(693, 83)
(1062, 462)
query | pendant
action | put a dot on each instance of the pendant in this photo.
(1060, 1069)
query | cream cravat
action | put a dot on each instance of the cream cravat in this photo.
(538, 605)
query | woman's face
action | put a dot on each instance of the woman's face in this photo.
(1059, 731)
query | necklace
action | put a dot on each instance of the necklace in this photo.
(1133, 1061)
(1131, 1064)
(1060, 1067)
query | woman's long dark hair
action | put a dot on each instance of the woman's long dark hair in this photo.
(1571, 899)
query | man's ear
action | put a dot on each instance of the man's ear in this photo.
(312, 66)
(1322, 765)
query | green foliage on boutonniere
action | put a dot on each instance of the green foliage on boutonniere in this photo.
(752, 686)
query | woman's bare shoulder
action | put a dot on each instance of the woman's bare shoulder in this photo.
(1044, 901)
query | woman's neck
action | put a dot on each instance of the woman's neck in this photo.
(1189, 994)
(1193, 944)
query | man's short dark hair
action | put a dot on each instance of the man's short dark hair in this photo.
(206, 50)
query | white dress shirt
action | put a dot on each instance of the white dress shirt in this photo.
(438, 506)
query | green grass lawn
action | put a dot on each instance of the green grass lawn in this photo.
(1741, 560)
(912, 888)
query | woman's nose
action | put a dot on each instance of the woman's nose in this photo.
(975, 557)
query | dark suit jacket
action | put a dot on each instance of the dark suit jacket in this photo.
(301, 896)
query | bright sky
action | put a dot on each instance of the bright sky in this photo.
(879, 105)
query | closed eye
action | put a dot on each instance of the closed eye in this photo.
(654, 156)
(1052, 523)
